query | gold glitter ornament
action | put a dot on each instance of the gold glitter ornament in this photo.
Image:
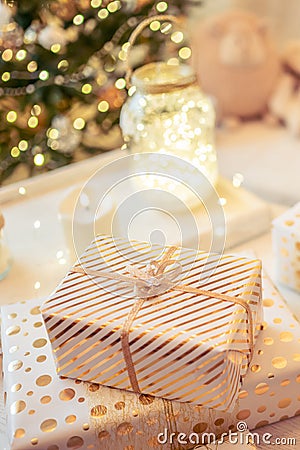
(64, 9)
(111, 96)
(11, 34)
(83, 5)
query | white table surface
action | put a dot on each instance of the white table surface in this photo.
(268, 157)
(37, 270)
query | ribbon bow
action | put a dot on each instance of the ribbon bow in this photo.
(152, 282)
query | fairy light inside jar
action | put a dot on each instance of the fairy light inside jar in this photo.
(168, 114)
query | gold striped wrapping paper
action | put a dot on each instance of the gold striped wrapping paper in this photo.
(184, 347)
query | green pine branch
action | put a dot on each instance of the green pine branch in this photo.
(58, 94)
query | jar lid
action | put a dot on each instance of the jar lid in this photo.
(160, 77)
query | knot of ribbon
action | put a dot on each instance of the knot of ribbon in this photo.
(154, 280)
(151, 282)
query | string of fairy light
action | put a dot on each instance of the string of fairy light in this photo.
(80, 80)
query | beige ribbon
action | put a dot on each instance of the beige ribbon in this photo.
(151, 283)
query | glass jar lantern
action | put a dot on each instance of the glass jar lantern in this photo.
(169, 114)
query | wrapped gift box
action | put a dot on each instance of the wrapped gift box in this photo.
(286, 244)
(184, 346)
(58, 414)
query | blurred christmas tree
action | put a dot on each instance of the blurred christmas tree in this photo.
(62, 76)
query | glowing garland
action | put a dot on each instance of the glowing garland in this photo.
(76, 80)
